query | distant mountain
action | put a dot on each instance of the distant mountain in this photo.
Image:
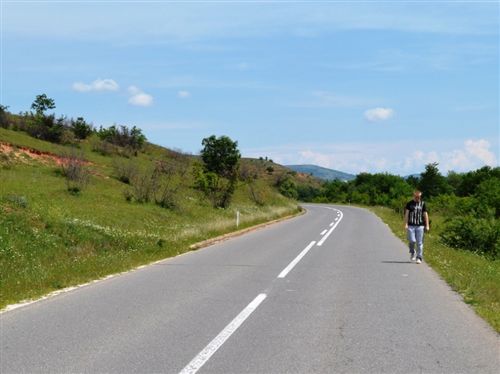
(321, 173)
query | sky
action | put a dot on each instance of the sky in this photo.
(357, 86)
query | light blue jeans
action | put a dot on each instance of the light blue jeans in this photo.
(415, 235)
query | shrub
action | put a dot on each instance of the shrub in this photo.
(102, 147)
(122, 136)
(80, 128)
(474, 234)
(6, 161)
(67, 137)
(74, 170)
(288, 188)
(45, 127)
(4, 119)
(170, 175)
(125, 171)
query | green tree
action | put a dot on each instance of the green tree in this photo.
(42, 103)
(219, 175)
(4, 116)
(221, 156)
(472, 179)
(432, 183)
(454, 179)
(80, 128)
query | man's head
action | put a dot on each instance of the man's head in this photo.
(417, 195)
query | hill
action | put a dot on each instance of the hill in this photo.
(121, 209)
(321, 172)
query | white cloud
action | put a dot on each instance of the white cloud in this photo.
(138, 97)
(97, 85)
(379, 114)
(473, 155)
(480, 149)
(183, 94)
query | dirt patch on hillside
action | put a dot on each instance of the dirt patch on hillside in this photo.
(24, 154)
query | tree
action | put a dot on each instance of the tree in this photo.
(3, 116)
(218, 177)
(432, 183)
(220, 156)
(80, 128)
(42, 103)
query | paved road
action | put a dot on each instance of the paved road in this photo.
(352, 305)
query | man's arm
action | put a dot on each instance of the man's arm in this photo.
(406, 218)
(426, 220)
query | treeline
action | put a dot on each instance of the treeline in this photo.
(68, 131)
(469, 202)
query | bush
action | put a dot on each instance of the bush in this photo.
(474, 234)
(80, 128)
(67, 138)
(6, 160)
(102, 147)
(74, 170)
(4, 119)
(288, 188)
(45, 127)
(170, 175)
(122, 136)
(125, 171)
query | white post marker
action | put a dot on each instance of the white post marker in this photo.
(212, 347)
(237, 218)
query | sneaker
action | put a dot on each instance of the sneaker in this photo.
(419, 261)
(413, 256)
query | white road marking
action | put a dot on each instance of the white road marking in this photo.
(320, 243)
(331, 224)
(212, 347)
(323, 232)
(296, 260)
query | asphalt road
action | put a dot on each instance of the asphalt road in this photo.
(271, 301)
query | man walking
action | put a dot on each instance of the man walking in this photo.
(416, 218)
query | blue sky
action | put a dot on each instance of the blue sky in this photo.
(353, 86)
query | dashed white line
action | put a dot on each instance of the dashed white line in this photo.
(323, 232)
(296, 260)
(212, 347)
(331, 224)
(320, 243)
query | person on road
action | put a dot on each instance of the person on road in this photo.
(416, 218)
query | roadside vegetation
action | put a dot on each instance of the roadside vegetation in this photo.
(78, 202)
(463, 245)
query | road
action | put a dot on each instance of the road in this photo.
(271, 301)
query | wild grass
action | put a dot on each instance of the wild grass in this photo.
(51, 239)
(473, 276)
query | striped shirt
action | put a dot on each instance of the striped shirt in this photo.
(416, 212)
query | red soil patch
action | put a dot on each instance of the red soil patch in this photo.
(34, 154)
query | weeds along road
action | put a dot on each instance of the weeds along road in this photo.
(329, 292)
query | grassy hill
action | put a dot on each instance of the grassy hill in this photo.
(321, 172)
(51, 238)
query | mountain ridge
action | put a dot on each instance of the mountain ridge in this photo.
(321, 172)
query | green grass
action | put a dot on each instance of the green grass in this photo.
(474, 277)
(51, 239)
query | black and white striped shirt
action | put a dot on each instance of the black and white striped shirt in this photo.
(416, 212)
